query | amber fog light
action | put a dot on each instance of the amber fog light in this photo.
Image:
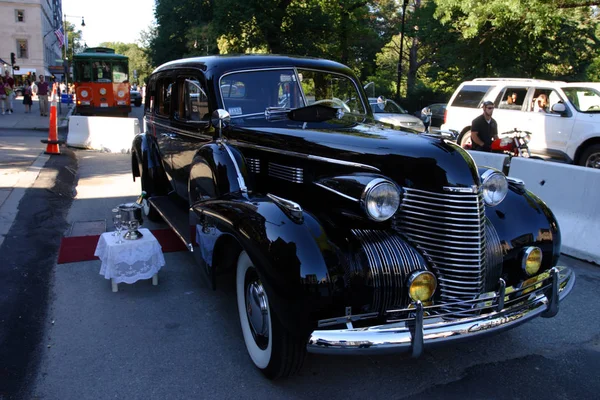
(532, 260)
(421, 285)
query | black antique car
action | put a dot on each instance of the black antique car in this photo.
(344, 237)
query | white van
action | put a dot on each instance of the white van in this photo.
(567, 130)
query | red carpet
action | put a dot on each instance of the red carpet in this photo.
(81, 248)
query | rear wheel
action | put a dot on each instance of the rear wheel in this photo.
(591, 157)
(271, 347)
(465, 140)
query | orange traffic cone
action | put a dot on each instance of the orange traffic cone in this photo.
(53, 142)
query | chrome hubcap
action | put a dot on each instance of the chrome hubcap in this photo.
(593, 161)
(257, 312)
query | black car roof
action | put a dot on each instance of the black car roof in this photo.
(217, 65)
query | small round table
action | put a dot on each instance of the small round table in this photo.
(131, 260)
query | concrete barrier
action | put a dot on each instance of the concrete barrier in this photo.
(573, 195)
(498, 161)
(111, 134)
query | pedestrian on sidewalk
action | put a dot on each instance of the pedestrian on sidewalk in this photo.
(11, 94)
(27, 102)
(42, 94)
(3, 96)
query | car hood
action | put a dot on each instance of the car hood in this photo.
(412, 160)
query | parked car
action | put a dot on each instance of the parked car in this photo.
(388, 111)
(438, 111)
(567, 129)
(340, 235)
(135, 97)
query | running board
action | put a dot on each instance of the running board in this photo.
(174, 215)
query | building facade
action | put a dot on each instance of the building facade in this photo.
(27, 29)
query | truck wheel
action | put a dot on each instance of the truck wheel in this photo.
(465, 140)
(272, 349)
(590, 157)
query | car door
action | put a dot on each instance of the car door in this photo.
(161, 105)
(190, 125)
(550, 131)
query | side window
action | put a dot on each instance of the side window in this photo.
(471, 96)
(193, 101)
(164, 89)
(512, 98)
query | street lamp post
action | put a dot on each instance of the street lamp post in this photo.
(65, 16)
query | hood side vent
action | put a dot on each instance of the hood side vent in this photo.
(291, 174)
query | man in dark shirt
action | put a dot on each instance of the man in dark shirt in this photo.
(484, 129)
(42, 93)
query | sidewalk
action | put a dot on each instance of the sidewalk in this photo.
(21, 120)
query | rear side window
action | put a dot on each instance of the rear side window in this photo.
(164, 88)
(471, 96)
(512, 98)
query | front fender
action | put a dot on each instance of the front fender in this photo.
(293, 258)
(522, 220)
(217, 169)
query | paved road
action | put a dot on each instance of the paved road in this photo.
(180, 340)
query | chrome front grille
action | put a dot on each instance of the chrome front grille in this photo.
(390, 261)
(292, 174)
(449, 229)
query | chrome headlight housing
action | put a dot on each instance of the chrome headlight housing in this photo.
(494, 187)
(380, 199)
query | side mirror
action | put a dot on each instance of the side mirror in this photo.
(559, 108)
(220, 120)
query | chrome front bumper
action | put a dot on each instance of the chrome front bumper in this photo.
(501, 310)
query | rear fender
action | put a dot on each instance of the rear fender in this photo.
(145, 154)
(291, 255)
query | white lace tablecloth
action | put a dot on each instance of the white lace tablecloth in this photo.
(131, 260)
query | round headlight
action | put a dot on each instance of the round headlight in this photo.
(532, 260)
(102, 91)
(421, 285)
(120, 93)
(381, 199)
(494, 187)
(84, 93)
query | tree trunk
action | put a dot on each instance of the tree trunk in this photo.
(413, 67)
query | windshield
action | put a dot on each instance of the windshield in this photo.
(253, 92)
(387, 107)
(584, 99)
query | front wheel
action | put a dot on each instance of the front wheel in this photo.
(591, 157)
(271, 347)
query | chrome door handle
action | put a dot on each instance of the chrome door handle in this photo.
(168, 135)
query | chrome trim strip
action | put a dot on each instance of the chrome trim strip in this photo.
(240, 178)
(406, 335)
(336, 192)
(304, 156)
(454, 189)
(182, 131)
